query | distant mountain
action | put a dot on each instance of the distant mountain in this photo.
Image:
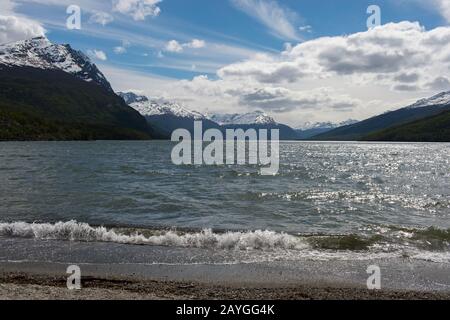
(310, 129)
(52, 92)
(432, 129)
(254, 120)
(165, 117)
(420, 110)
(325, 125)
(256, 117)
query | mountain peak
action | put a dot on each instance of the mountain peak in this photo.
(325, 125)
(442, 98)
(131, 97)
(149, 108)
(41, 53)
(255, 117)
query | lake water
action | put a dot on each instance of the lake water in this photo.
(329, 200)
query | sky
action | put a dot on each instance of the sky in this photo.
(297, 60)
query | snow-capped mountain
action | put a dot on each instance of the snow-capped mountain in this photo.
(369, 128)
(325, 125)
(442, 98)
(256, 117)
(131, 97)
(41, 53)
(254, 120)
(148, 107)
(164, 117)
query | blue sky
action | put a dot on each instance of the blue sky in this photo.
(191, 50)
(219, 21)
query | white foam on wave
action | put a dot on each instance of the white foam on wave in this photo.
(276, 246)
(77, 231)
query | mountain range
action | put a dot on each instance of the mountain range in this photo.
(255, 117)
(165, 117)
(53, 92)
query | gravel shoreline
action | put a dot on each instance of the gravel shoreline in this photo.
(22, 286)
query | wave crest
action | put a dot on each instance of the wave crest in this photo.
(76, 231)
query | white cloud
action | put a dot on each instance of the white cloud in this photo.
(195, 44)
(173, 46)
(270, 98)
(102, 18)
(279, 20)
(391, 54)
(444, 8)
(137, 9)
(14, 28)
(6, 7)
(97, 54)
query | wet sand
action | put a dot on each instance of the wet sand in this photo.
(24, 286)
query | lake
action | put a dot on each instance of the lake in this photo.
(329, 200)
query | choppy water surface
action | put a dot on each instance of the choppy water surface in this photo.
(328, 198)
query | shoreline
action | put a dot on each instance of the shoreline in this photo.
(48, 281)
(26, 286)
(31, 269)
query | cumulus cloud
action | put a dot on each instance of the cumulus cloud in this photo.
(102, 18)
(270, 98)
(266, 71)
(279, 99)
(137, 9)
(6, 7)
(407, 77)
(394, 53)
(279, 20)
(97, 54)
(439, 84)
(14, 28)
(356, 75)
(175, 46)
(444, 7)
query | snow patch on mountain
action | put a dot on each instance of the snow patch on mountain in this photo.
(325, 125)
(41, 53)
(442, 98)
(256, 117)
(148, 107)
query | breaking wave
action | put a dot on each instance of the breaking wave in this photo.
(76, 231)
(424, 244)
